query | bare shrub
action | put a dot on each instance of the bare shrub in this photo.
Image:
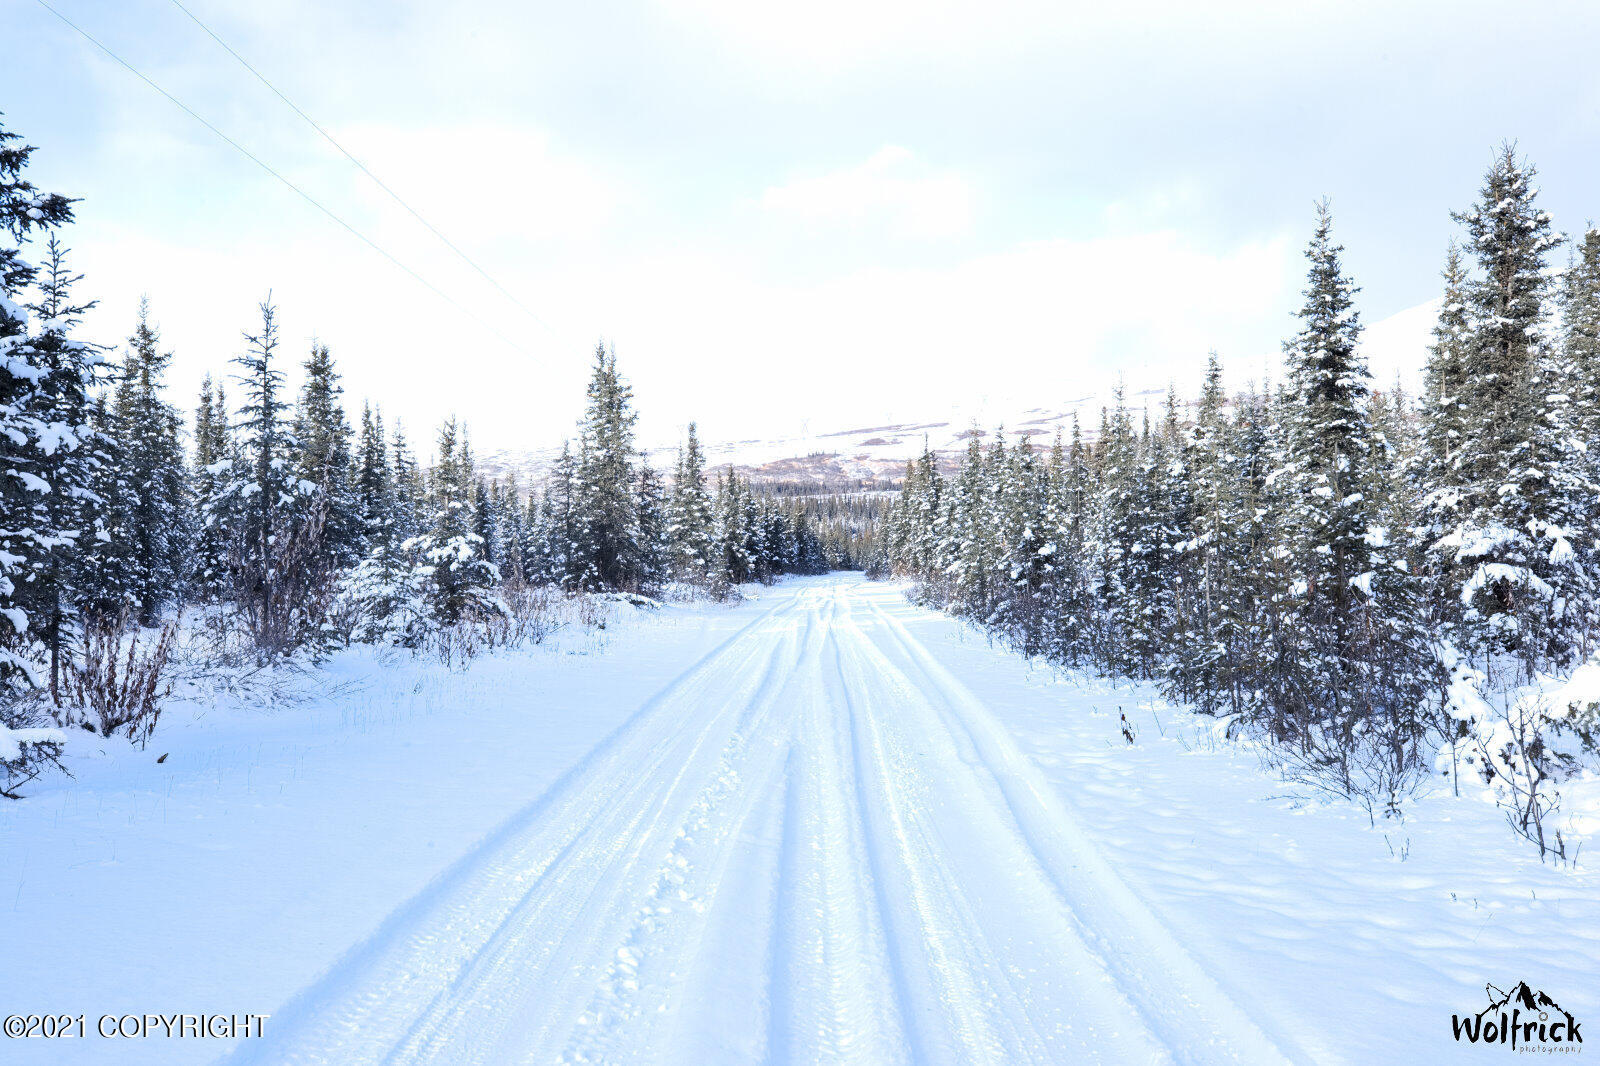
(119, 684)
(283, 590)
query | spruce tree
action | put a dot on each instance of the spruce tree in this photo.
(156, 503)
(689, 514)
(322, 461)
(374, 486)
(61, 463)
(605, 482)
(1510, 569)
(1329, 440)
(460, 580)
(213, 461)
(25, 211)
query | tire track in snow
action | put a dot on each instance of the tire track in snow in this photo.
(367, 1005)
(981, 941)
(1196, 1018)
(640, 990)
(832, 1001)
(812, 846)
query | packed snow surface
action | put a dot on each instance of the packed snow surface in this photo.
(822, 826)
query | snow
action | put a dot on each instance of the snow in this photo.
(821, 825)
(12, 740)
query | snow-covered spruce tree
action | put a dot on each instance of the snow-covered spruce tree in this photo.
(605, 484)
(1328, 390)
(1071, 602)
(1058, 558)
(1115, 533)
(1352, 677)
(557, 530)
(460, 581)
(1511, 575)
(1200, 652)
(410, 496)
(373, 481)
(386, 597)
(512, 532)
(105, 589)
(213, 462)
(689, 521)
(24, 212)
(1580, 341)
(383, 600)
(734, 537)
(322, 462)
(916, 519)
(63, 457)
(651, 535)
(485, 511)
(155, 509)
(966, 561)
(1446, 388)
(1019, 509)
(277, 574)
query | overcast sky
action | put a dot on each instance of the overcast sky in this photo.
(824, 213)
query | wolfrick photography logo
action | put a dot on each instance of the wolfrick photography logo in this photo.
(1523, 1020)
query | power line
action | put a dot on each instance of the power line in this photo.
(307, 197)
(448, 243)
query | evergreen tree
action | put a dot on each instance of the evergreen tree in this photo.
(24, 398)
(460, 580)
(213, 462)
(1329, 441)
(605, 483)
(321, 458)
(273, 531)
(653, 540)
(1510, 570)
(155, 503)
(558, 528)
(59, 467)
(374, 487)
(689, 523)
(409, 496)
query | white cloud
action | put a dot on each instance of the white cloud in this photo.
(1043, 322)
(460, 176)
(891, 189)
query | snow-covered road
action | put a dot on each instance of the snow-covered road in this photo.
(814, 845)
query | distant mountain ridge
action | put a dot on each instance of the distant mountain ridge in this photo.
(842, 457)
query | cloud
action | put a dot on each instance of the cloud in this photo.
(1041, 321)
(891, 189)
(459, 176)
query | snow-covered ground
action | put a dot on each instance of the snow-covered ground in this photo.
(822, 825)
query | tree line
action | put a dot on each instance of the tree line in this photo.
(1336, 566)
(289, 526)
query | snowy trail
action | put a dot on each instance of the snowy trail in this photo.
(813, 846)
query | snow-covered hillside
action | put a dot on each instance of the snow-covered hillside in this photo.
(822, 825)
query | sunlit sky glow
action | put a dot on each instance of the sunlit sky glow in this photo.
(831, 214)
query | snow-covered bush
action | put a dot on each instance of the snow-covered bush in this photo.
(383, 601)
(1522, 743)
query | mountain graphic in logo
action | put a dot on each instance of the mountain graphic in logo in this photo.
(1523, 1016)
(1523, 997)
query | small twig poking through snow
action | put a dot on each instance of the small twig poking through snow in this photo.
(1127, 726)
